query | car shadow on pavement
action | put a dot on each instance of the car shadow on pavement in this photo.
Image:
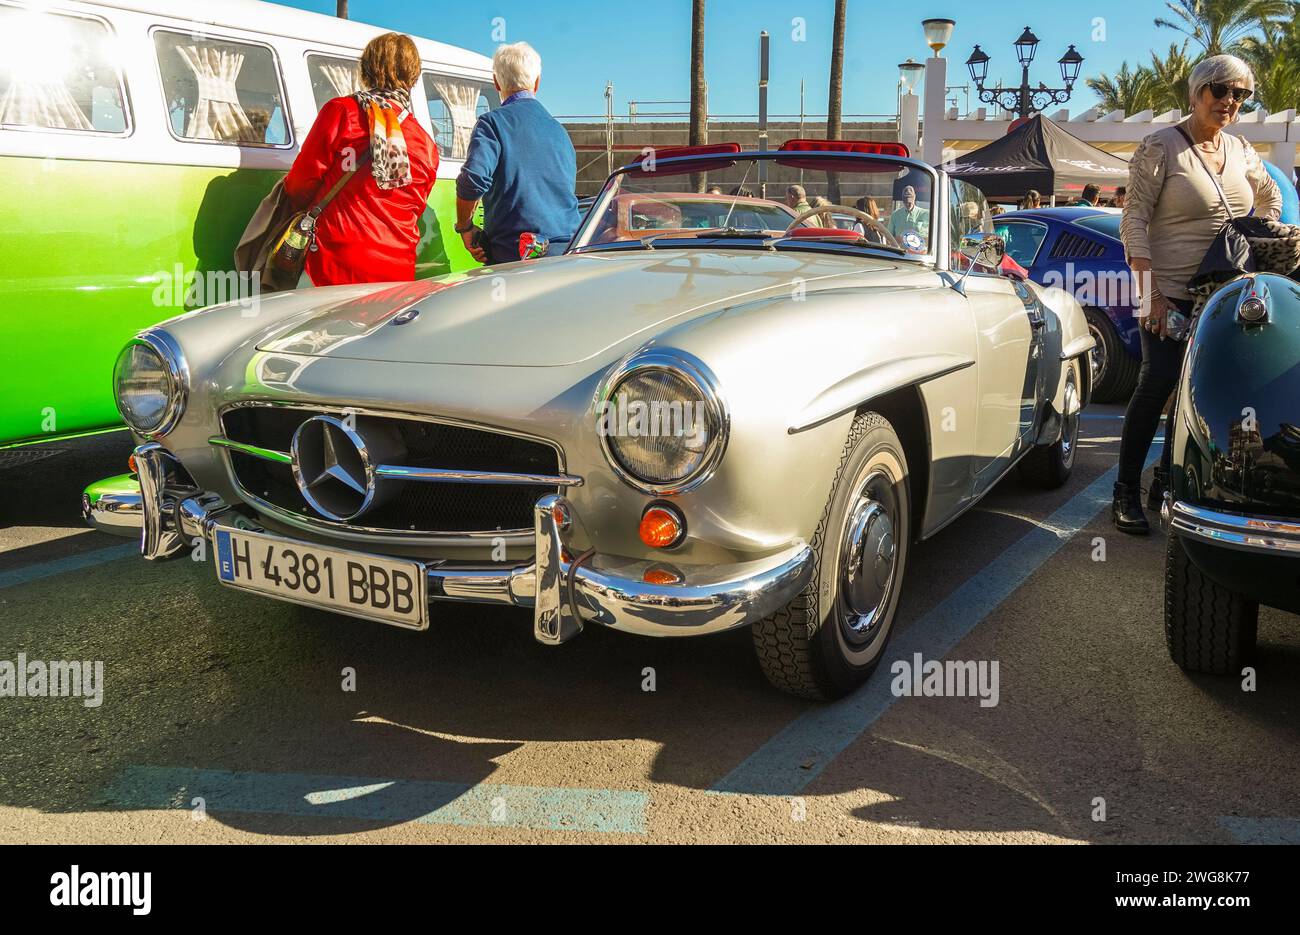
(211, 680)
(45, 490)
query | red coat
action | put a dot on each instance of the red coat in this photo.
(366, 234)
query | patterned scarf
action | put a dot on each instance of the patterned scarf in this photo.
(389, 161)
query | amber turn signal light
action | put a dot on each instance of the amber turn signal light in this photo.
(661, 527)
(130, 464)
(659, 574)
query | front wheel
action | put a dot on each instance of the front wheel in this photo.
(830, 638)
(1208, 628)
(1049, 466)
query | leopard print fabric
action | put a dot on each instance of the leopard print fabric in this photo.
(390, 162)
(1275, 248)
(1279, 253)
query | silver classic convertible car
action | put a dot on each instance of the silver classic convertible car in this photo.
(675, 428)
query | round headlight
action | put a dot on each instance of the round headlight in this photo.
(150, 382)
(662, 423)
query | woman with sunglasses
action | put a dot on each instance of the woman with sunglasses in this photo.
(1185, 182)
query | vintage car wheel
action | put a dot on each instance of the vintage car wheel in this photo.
(830, 638)
(1114, 371)
(1208, 628)
(1049, 466)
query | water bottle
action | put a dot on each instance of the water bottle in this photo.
(297, 240)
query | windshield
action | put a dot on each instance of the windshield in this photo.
(868, 201)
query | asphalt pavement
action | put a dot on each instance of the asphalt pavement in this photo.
(230, 718)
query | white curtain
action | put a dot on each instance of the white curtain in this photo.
(46, 104)
(343, 78)
(461, 98)
(217, 113)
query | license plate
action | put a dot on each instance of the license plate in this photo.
(368, 586)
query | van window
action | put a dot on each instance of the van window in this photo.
(333, 76)
(221, 91)
(454, 105)
(59, 72)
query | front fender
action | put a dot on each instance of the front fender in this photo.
(1237, 437)
(794, 372)
(1075, 341)
(875, 380)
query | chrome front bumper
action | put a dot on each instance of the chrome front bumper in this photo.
(1261, 534)
(564, 589)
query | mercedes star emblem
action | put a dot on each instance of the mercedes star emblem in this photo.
(332, 468)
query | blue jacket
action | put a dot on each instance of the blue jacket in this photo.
(522, 165)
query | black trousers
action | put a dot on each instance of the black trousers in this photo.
(1162, 362)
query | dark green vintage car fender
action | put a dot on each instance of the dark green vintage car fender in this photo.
(1236, 438)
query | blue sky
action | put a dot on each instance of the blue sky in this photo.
(644, 48)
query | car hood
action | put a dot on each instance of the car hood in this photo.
(557, 311)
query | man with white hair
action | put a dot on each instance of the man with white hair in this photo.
(796, 198)
(520, 164)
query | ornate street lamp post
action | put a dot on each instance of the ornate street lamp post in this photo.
(1025, 100)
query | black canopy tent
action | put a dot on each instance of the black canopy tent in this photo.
(1041, 155)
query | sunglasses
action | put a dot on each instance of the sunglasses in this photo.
(1221, 90)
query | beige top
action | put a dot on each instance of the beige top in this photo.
(1173, 211)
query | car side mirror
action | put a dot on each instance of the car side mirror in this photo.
(983, 249)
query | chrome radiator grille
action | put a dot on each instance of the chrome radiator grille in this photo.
(423, 484)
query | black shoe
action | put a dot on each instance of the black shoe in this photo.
(1156, 492)
(1126, 510)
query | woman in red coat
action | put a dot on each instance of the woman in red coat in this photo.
(369, 232)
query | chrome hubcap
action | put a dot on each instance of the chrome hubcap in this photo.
(1070, 428)
(1097, 356)
(868, 557)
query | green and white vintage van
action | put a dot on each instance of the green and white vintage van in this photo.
(136, 139)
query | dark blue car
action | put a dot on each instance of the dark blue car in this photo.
(1078, 249)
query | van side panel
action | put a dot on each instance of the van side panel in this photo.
(105, 235)
(96, 251)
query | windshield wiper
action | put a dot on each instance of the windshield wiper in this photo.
(750, 233)
(859, 242)
(648, 242)
(735, 232)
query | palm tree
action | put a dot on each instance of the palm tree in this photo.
(1219, 26)
(1277, 84)
(699, 129)
(1274, 57)
(342, 9)
(1169, 78)
(834, 106)
(1129, 90)
(699, 87)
